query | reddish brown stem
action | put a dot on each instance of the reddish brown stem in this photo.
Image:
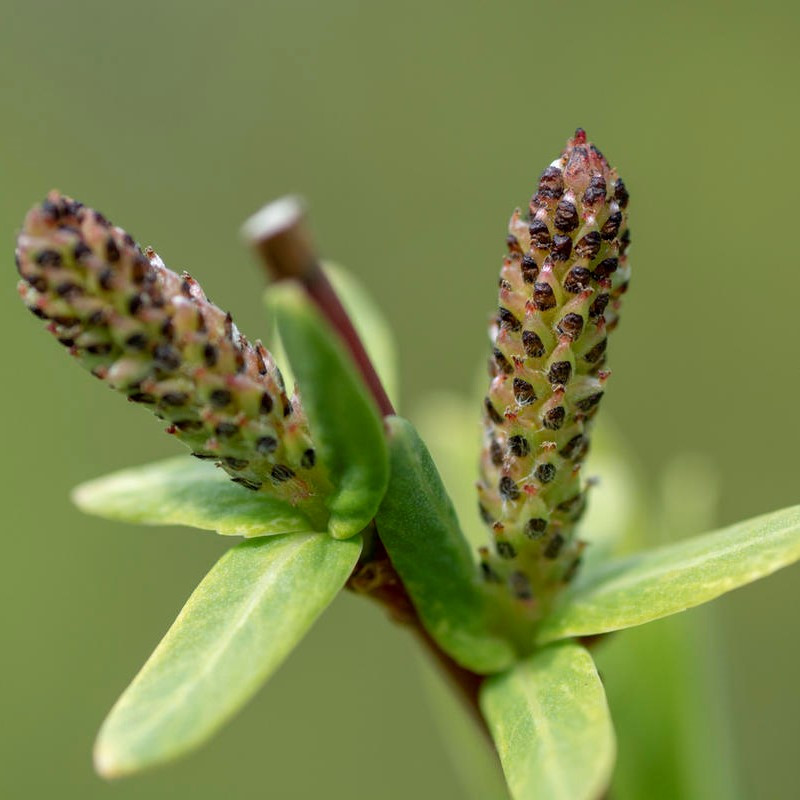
(282, 241)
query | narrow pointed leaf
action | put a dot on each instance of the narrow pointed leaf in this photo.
(419, 528)
(343, 418)
(241, 622)
(184, 491)
(666, 580)
(549, 720)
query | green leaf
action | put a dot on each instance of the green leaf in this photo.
(184, 491)
(666, 580)
(549, 720)
(418, 527)
(370, 324)
(241, 622)
(344, 421)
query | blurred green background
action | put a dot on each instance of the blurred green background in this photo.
(413, 129)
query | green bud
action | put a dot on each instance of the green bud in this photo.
(154, 336)
(560, 290)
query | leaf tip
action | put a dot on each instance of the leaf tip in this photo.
(106, 763)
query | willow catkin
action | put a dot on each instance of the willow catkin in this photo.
(560, 290)
(153, 336)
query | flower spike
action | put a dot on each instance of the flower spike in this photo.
(152, 335)
(560, 290)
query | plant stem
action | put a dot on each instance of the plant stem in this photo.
(283, 243)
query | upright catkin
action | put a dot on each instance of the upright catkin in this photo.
(560, 290)
(153, 336)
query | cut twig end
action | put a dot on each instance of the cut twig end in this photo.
(279, 235)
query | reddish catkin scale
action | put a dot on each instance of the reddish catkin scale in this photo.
(560, 292)
(153, 336)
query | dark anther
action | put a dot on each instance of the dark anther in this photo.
(554, 546)
(589, 245)
(535, 528)
(220, 398)
(248, 484)
(266, 445)
(518, 446)
(37, 312)
(576, 447)
(186, 288)
(281, 473)
(51, 211)
(578, 278)
(287, 407)
(38, 282)
(80, 250)
(235, 463)
(595, 353)
(142, 397)
(508, 489)
(551, 184)
(534, 347)
(529, 269)
(520, 586)
(49, 258)
(496, 452)
(566, 218)
(596, 191)
(135, 303)
(308, 459)
(139, 269)
(66, 341)
(505, 549)
(513, 244)
(598, 306)
(489, 575)
(68, 289)
(167, 357)
(611, 226)
(570, 325)
(99, 348)
(554, 418)
(559, 372)
(543, 297)
(210, 355)
(572, 570)
(545, 472)
(188, 425)
(503, 364)
(136, 341)
(484, 514)
(174, 399)
(494, 416)
(562, 248)
(624, 241)
(540, 234)
(588, 403)
(605, 268)
(112, 251)
(106, 279)
(266, 403)
(621, 193)
(226, 429)
(507, 320)
(523, 392)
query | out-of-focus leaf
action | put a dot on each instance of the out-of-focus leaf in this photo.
(550, 723)
(418, 526)
(344, 421)
(241, 622)
(370, 324)
(666, 681)
(184, 491)
(655, 583)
